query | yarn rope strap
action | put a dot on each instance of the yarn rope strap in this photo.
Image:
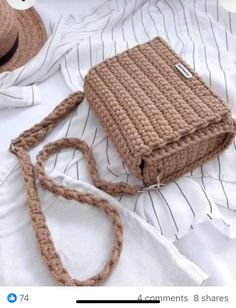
(20, 147)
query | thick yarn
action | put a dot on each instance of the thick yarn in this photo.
(160, 122)
(20, 147)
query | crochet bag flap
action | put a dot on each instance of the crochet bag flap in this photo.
(161, 116)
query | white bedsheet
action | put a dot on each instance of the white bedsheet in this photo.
(82, 236)
(208, 45)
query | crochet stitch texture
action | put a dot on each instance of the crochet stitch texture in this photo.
(161, 122)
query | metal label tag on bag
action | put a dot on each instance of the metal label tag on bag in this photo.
(183, 70)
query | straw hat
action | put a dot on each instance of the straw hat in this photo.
(22, 34)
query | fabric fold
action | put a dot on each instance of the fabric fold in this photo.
(66, 32)
(84, 242)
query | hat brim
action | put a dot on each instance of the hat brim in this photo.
(31, 35)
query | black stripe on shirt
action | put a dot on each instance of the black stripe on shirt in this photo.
(175, 26)
(155, 212)
(113, 28)
(132, 21)
(169, 208)
(153, 20)
(95, 11)
(11, 96)
(78, 60)
(186, 199)
(221, 182)
(186, 23)
(145, 30)
(164, 22)
(44, 59)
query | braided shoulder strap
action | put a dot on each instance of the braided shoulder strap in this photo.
(20, 147)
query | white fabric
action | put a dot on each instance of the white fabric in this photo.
(82, 235)
(204, 35)
(212, 252)
(62, 39)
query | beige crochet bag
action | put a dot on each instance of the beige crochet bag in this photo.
(160, 115)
